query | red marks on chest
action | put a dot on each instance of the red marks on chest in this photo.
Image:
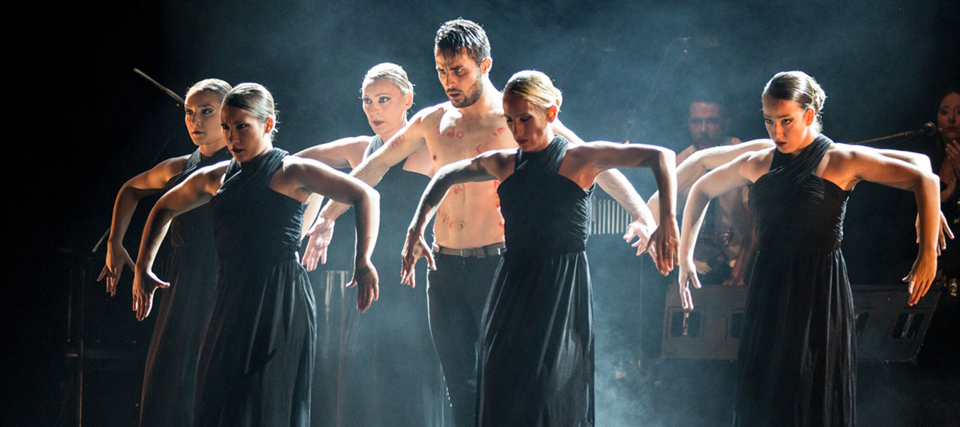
(450, 132)
(491, 142)
(445, 219)
(459, 188)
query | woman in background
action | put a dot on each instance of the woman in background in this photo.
(388, 372)
(191, 267)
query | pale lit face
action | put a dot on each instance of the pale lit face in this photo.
(788, 125)
(246, 136)
(461, 77)
(201, 112)
(948, 117)
(706, 125)
(385, 106)
(528, 122)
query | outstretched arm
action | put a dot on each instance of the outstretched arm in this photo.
(617, 186)
(867, 164)
(487, 166)
(713, 184)
(703, 161)
(340, 154)
(588, 160)
(922, 162)
(315, 177)
(147, 183)
(195, 191)
(643, 225)
(407, 141)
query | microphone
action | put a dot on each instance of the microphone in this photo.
(928, 129)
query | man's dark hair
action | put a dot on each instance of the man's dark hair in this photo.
(458, 34)
(708, 96)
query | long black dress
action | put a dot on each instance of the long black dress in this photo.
(182, 313)
(537, 349)
(797, 359)
(256, 362)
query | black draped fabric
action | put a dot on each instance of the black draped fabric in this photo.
(538, 350)
(797, 358)
(256, 362)
(182, 313)
(389, 372)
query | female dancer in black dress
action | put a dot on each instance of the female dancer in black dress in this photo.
(797, 358)
(256, 360)
(389, 374)
(167, 397)
(537, 346)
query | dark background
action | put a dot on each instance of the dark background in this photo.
(81, 122)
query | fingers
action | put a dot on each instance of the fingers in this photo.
(629, 235)
(686, 299)
(407, 274)
(103, 273)
(368, 291)
(323, 256)
(309, 260)
(911, 287)
(430, 261)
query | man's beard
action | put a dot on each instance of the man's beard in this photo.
(469, 99)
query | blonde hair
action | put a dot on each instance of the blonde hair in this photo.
(254, 99)
(799, 87)
(217, 86)
(390, 72)
(536, 87)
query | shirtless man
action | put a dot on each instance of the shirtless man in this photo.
(468, 229)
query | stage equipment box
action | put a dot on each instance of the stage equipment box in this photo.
(888, 330)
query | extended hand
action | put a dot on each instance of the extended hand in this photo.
(320, 235)
(688, 274)
(413, 249)
(944, 234)
(113, 268)
(665, 241)
(365, 276)
(144, 285)
(642, 231)
(921, 276)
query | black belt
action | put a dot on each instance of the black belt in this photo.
(482, 252)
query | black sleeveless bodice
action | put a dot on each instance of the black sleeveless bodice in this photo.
(795, 208)
(183, 311)
(252, 222)
(194, 227)
(537, 349)
(544, 212)
(257, 358)
(797, 360)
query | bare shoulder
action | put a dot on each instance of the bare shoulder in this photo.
(753, 164)
(170, 167)
(755, 144)
(844, 155)
(297, 165)
(432, 115)
(209, 177)
(216, 169)
(499, 163)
